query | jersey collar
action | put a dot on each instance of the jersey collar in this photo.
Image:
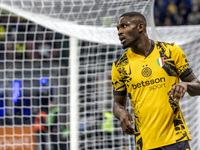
(152, 47)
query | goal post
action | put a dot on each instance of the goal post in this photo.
(55, 73)
(74, 90)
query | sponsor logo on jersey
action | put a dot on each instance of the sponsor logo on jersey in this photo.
(152, 84)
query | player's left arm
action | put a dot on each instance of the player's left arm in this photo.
(189, 84)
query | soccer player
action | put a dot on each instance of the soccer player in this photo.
(148, 73)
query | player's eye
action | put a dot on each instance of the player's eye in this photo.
(124, 26)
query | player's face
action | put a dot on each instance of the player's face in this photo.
(127, 31)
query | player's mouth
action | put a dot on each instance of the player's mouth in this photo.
(122, 39)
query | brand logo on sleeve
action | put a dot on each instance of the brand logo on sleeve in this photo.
(129, 70)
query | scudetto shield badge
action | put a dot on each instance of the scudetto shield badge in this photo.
(160, 61)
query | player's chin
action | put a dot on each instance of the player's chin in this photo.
(125, 46)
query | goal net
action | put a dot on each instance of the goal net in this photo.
(55, 76)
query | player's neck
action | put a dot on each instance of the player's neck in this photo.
(142, 48)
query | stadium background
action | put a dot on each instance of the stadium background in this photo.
(51, 98)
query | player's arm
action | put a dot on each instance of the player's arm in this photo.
(189, 84)
(120, 112)
(193, 84)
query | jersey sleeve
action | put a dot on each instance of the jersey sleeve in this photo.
(119, 87)
(183, 68)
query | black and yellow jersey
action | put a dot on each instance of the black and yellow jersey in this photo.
(147, 81)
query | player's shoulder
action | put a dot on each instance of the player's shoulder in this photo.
(164, 44)
(122, 60)
(164, 47)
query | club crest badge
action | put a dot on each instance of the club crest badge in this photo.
(146, 71)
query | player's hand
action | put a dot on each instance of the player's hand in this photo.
(126, 122)
(178, 91)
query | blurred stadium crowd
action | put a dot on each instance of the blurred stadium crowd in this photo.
(177, 12)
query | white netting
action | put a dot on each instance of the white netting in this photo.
(83, 12)
(73, 18)
(34, 42)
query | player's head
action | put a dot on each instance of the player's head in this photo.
(131, 27)
(135, 15)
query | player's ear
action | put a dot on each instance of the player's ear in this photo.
(140, 27)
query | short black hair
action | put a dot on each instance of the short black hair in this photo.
(135, 14)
